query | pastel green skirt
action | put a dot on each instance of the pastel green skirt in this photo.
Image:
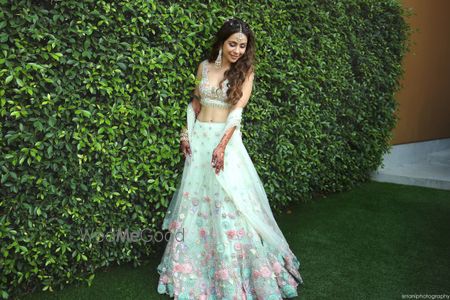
(224, 242)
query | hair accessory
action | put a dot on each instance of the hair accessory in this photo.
(218, 61)
(240, 33)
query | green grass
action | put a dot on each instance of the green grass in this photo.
(378, 241)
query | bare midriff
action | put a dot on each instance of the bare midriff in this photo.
(213, 114)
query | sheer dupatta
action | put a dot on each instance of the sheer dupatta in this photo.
(174, 207)
(246, 189)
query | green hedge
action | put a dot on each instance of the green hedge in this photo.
(94, 94)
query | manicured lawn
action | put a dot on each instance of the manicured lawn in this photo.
(378, 241)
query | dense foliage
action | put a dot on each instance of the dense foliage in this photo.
(94, 94)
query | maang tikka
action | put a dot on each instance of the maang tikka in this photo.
(240, 33)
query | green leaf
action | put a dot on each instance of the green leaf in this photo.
(122, 66)
(8, 79)
(19, 82)
(3, 37)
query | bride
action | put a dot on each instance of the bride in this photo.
(224, 241)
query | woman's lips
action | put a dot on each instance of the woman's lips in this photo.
(234, 57)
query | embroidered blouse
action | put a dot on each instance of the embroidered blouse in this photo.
(211, 95)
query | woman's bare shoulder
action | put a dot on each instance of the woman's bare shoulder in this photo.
(200, 68)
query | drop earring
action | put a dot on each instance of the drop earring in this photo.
(218, 61)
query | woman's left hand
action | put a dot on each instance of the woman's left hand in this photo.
(217, 160)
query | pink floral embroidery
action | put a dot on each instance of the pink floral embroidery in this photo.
(187, 268)
(265, 271)
(242, 254)
(182, 268)
(165, 279)
(174, 225)
(231, 234)
(186, 194)
(178, 268)
(243, 296)
(202, 232)
(277, 267)
(292, 282)
(237, 246)
(222, 274)
(207, 198)
(240, 233)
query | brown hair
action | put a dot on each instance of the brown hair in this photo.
(239, 70)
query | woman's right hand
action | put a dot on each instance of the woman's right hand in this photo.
(185, 148)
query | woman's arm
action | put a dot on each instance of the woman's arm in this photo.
(196, 94)
(233, 121)
(236, 110)
(196, 106)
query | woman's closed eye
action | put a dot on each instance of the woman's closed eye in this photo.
(234, 45)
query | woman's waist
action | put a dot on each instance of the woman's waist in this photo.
(208, 125)
(211, 122)
(209, 115)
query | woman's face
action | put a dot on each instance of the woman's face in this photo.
(233, 48)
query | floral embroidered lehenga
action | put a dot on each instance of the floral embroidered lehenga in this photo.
(224, 241)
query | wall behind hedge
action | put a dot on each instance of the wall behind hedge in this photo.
(94, 94)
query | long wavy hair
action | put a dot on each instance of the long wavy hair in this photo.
(239, 70)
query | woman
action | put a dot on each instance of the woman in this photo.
(224, 241)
